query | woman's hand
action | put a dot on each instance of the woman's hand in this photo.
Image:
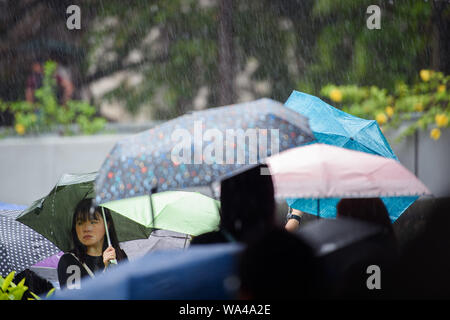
(108, 255)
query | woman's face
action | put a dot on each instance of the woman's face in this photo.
(90, 232)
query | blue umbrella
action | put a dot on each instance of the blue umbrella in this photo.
(199, 273)
(335, 127)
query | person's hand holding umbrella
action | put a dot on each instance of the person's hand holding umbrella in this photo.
(109, 255)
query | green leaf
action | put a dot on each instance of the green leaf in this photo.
(21, 283)
(35, 296)
(7, 281)
(50, 293)
(4, 296)
(18, 292)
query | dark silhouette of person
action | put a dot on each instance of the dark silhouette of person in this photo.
(370, 210)
(381, 251)
(278, 265)
(423, 270)
(247, 208)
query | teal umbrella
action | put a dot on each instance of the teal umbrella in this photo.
(186, 212)
(335, 127)
(51, 216)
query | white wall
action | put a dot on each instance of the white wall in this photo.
(30, 167)
(433, 159)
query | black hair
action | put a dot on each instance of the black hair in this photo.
(84, 212)
(371, 210)
(247, 203)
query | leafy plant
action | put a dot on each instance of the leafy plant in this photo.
(11, 291)
(46, 114)
(426, 103)
(48, 295)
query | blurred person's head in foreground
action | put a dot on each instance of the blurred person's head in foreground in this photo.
(247, 204)
(278, 265)
(424, 267)
(382, 252)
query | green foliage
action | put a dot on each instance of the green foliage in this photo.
(11, 291)
(347, 52)
(48, 295)
(426, 103)
(297, 45)
(47, 115)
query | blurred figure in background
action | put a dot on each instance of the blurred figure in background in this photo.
(248, 208)
(34, 80)
(64, 84)
(371, 210)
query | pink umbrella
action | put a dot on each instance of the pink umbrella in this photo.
(325, 171)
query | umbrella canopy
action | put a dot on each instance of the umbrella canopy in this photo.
(323, 171)
(335, 127)
(184, 212)
(20, 246)
(198, 148)
(200, 272)
(52, 215)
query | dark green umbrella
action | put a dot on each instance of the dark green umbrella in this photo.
(52, 215)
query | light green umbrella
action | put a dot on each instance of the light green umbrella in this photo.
(180, 211)
(52, 215)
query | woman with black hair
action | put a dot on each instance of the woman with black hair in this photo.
(91, 253)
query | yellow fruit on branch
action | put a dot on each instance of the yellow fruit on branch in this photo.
(435, 134)
(425, 75)
(381, 118)
(441, 120)
(336, 95)
(20, 128)
(441, 88)
(389, 111)
(418, 107)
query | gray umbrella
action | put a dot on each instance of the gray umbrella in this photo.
(20, 246)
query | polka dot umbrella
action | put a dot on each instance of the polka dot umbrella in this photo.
(20, 246)
(196, 149)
